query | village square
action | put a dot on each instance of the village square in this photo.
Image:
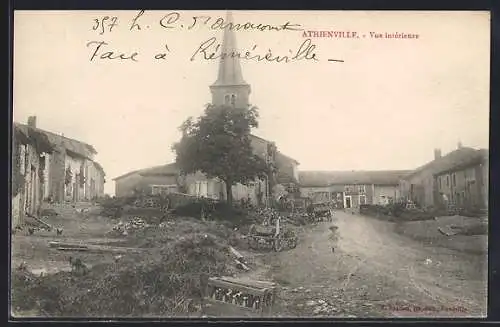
(234, 227)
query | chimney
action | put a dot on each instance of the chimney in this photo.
(437, 154)
(459, 145)
(32, 121)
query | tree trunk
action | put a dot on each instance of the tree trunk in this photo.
(229, 192)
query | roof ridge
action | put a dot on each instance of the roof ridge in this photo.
(55, 134)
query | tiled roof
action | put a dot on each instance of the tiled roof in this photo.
(452, 160)
(284, 178)
(326, 178)
(34, 136)
(460, 160)
(125, 175)
(59, 141)
(278, 154)
(99, 167)
(164, 170)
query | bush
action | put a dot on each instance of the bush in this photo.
(416, 215)
(396, 209)
(165, 284)
(373, 209)
(216, 210)
(395, 212)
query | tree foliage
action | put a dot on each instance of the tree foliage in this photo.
(218, 144)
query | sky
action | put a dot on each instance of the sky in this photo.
(388, 105)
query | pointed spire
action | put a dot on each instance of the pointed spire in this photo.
(229, 66)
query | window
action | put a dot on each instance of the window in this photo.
(454, 179)
(361, 188)
(447, 180)
(439, 180)
(348, 188)
(230, 99)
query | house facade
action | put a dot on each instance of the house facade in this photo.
(40, 162)
(70, 172)
(28, 171)
(350, 189)
(464, 185)
(443, 180)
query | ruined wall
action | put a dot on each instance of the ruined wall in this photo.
(56, 175)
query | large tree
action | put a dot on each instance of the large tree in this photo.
(218, 144)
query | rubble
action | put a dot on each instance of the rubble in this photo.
(321, 307)
(122, 229)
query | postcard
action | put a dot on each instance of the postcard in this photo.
(277, 164)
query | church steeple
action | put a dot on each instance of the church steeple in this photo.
(230, 88)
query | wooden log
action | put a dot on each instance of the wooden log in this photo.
(238, 255)
(73, 249)
(43, 223)
(66, 245)
(98, 250)
(92, 248)
(447, 232)
(241, 265)
(245, 282)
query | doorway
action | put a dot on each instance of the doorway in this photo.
(348, 202)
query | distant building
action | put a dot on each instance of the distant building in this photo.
(155, 180)
(51, 167)
(459, 178)
(350, 189)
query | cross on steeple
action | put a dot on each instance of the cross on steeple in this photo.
(230, 88)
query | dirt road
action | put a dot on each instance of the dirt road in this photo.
(374, 272)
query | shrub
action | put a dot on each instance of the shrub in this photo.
(164, 284)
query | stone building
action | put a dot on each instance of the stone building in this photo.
(28, 171)
(350, 189)
(460, 178)
(53, 168)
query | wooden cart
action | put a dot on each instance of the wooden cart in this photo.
(238, 297)
(271, 237)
